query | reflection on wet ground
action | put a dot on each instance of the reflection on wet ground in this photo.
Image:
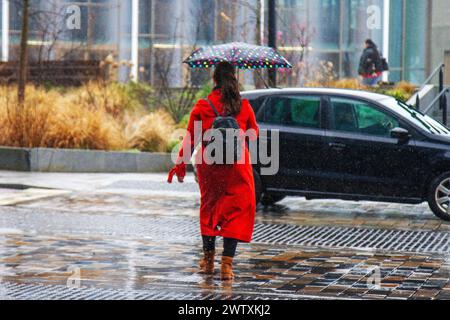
(290, 211)
(102, 240)
(140, 265)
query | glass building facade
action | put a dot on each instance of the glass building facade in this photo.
(309, 31)
(409, 27)
(336, 29)
(439, 50)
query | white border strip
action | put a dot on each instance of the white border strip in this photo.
(5, 30)
(386, 29)
(135, 40)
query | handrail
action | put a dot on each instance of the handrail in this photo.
(435, 100)
(438, 69)
(416, 96)
(441, 96)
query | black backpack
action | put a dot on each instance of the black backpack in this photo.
(226, 124)
(371, 62)
(384, 64)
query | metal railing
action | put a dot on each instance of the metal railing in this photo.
(441, 97)
(440, 68)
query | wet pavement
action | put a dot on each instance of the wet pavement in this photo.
(134, 237)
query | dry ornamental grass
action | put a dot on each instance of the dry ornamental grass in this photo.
(95, 117)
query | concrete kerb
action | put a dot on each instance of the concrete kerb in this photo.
(82, 161)
(17, 159)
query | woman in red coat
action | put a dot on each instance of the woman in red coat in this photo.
(228, 204)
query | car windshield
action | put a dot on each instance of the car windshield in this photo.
(420, 119)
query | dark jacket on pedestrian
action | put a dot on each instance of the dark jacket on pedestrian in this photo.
(371, 62)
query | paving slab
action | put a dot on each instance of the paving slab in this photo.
(97, 236)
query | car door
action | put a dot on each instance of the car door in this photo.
(298, 118)
(363, 157)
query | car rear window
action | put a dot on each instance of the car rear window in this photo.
(296, 111)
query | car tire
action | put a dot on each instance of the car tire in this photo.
(258, 187)
(440, 189)
(271, 199)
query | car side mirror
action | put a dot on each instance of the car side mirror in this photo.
(400, 134)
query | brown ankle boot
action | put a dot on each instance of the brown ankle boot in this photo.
(227, 269)
(207, 263)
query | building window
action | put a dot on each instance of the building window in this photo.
(415, 44)
(407, 48)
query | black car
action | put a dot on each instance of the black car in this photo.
(353, 145)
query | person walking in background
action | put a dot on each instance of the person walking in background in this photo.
(228, 201)
(371, 64)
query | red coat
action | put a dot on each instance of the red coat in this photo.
(228, 204)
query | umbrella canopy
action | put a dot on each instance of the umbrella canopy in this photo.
(241, 55)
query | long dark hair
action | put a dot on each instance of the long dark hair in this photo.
(371, 44)
(226, 81)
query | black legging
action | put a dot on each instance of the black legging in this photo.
(229, 245)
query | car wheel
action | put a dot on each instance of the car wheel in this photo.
(258, 187)
(271, 199)
(439, 196)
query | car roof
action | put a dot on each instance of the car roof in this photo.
(323, 91)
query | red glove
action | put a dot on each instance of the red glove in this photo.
(180, 171)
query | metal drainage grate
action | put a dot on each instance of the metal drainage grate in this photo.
(187, 230)
(315, 236)
(322, 236)
(354, 238)
(15, 291)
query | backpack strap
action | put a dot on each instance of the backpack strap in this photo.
(214, 108)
